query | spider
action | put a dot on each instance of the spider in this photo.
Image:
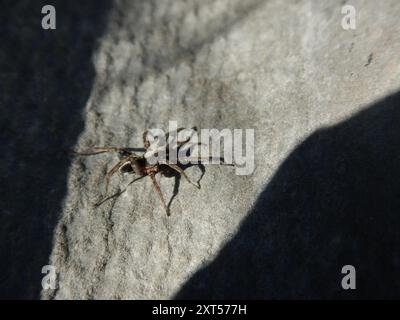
(132, 163)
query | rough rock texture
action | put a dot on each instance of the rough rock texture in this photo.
(325, 190)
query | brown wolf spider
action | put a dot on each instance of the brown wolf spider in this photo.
(135, 164)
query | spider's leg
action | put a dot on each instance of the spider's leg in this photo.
(188, 147)
(179, 144)
(168, 133)
(98, 150)
(112, 171)
(117, 194)
(111, 149)
(158, 189)
(146, 143)
(87, 152)
(178, 169)
(207, 160)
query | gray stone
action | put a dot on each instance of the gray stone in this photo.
(288, 70)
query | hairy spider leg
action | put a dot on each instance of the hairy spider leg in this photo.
(98, 150)
(112, 171)
(146, 143)
(179, 170)
(158, 189)
(208, 160)
(117, 194)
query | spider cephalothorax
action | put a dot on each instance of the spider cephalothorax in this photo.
(132, 163)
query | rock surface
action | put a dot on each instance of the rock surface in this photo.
(325, 184)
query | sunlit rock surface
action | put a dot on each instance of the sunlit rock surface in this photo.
(313, 202)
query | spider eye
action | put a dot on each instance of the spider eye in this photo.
(126, 168)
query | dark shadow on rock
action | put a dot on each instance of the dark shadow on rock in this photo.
(46, 78)
(334, 201)
(177, 176)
